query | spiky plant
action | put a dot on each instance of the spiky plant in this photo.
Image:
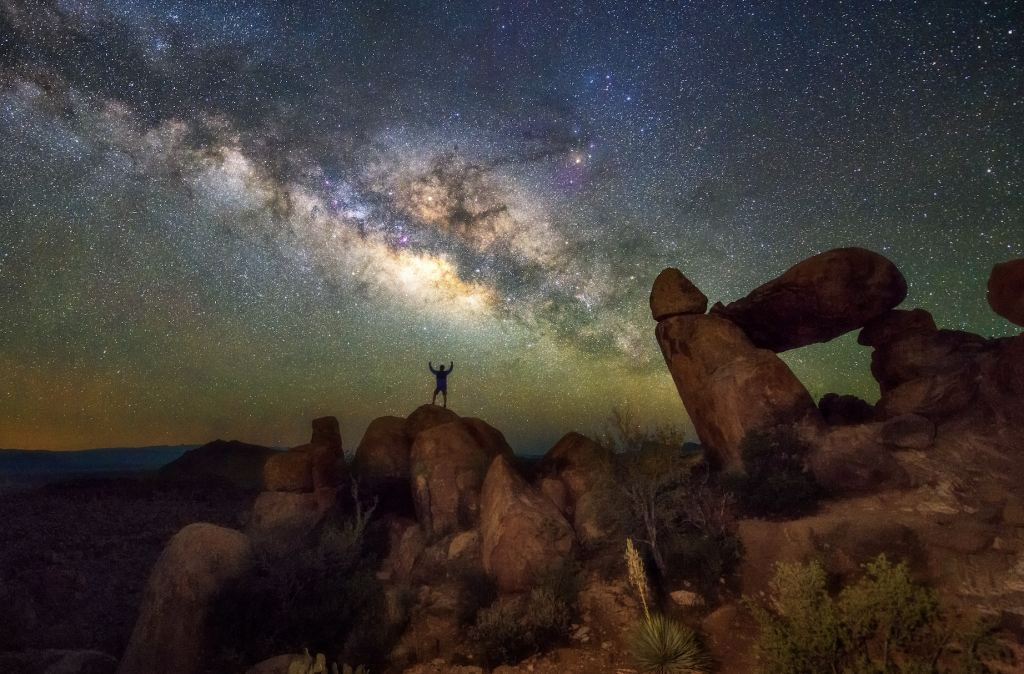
(637, 575)
(660, 645)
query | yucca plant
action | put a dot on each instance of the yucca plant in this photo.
(660, 645)
(307, 664)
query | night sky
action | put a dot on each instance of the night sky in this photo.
(223, 219)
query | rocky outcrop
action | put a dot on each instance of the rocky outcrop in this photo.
(731, 388)
(238, 462)
(1006, 290)
(195, 565)
(448, 466)
(569, 474)
(936, 373)
(427, 416)
(522, 531)
(818, 299)
(302, 485)
(57, 661)
(673, 294)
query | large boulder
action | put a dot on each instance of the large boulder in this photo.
(578, 462)
(673, 294)
(327, 433)
(289, 471)
(490, 439)
(818, 299)
(731, 388)
(195, 565)
(281, 520)
(427, 416)
(522, 531)
(383, 453)
(448, 466)
(238, 462)
(1006, 290)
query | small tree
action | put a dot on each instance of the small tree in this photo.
(655, 491)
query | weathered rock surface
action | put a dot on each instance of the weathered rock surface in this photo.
(845, 410)
(910, 431)
(730, 387)
(383, 453)
(197, 562)
(448, 467)
(1006, 290)
(490, 439)
(851, 460)
(427, 416)
(238, 462)
(521, 529)
(673, 294)
(818, 299)
(289, 471)
(281, 514)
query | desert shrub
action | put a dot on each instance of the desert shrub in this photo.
(660, 494)
(660, 645)
(325, 598)
(703, 559)
(513, 628)
(883, 623)
(775, 482)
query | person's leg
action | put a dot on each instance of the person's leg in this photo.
(433, 401)
(445, 394)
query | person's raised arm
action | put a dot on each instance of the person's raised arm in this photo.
(451, 366)
(431, 366)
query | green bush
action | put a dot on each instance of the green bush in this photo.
(660, 645)
(883, 623)
(513, 628)
(775, 482)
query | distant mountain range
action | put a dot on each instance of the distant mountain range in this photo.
(19, 464)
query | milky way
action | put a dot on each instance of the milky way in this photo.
(225, 219)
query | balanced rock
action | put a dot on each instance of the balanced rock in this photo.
(522, 531)
(427, 416)
(894, 325)
(1006, 290)
(818, 299)
(195, 565)
(448, 467)
(673, 294)
(730, 387)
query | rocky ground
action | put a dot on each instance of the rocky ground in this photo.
(76, 555)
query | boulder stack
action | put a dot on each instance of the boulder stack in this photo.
(302, 485)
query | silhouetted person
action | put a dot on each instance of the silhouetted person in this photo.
(442, 381)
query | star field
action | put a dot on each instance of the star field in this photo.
(224, 219)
